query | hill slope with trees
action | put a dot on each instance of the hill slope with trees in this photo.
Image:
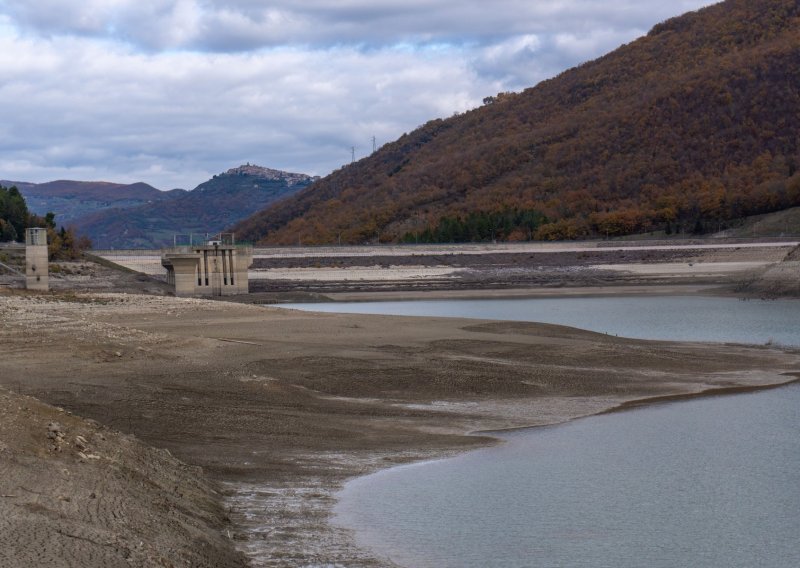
(692, 126)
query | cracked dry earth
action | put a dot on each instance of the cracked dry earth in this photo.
(279, 408)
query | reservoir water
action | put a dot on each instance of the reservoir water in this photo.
(679, 318)
(709, 482)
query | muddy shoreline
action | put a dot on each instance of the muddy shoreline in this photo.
(280, 407)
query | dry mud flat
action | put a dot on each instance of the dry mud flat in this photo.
(281, 407)
(476, 268)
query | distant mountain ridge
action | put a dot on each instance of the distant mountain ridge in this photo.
(211, 207)
(90, 189)
(684, 129)
(140, 216)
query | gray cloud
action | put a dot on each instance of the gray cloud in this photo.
(173, 91)
(175, 119)
(243, 25)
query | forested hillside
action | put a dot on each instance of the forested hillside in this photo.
(687, 128)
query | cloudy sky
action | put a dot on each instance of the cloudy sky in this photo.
(171, 92)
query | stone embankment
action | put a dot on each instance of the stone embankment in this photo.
(778, 280)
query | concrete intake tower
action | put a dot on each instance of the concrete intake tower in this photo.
(217, 267)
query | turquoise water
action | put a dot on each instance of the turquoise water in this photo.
(712, 482)
(680, 318)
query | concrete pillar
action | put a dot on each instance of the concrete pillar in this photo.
(184, 272)
(215, 271)
(242, 259)
(36, 260)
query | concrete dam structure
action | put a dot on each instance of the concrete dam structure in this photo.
(217, 267)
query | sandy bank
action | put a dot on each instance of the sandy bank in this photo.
(371, 274)
(563, 292)
(283, 406)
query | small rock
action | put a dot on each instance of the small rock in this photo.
(118, 353)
